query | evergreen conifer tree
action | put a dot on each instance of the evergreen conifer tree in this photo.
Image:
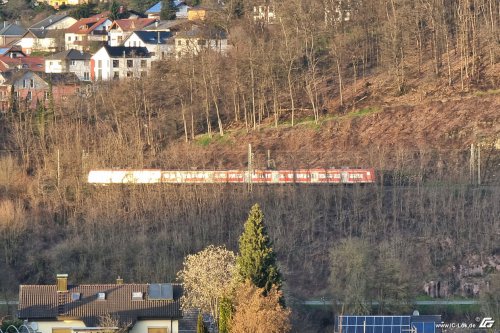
(225, 313)
(167, 10)
(200, 326)
(115, 10)
(256, 260)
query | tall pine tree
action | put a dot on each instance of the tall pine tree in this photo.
(168, 10)
(257, 261)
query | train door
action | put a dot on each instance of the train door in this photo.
(314, 177)
(275, 176)
(344, 176)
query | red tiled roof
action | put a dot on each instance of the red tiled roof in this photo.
(133, 24)
(36, 64)
(44, 302)
(86, 25)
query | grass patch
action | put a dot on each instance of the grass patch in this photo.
(205, 139)
(487, 92)
(364, 112)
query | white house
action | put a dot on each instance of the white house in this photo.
(198, 38)
(121, 29)
(144, 308)
(88, 33)
(160, 44)
(46, 35)
(70, 61)
(119, 62)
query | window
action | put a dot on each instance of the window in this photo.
(69, 38)
(202, 42)
(157, 330)
(101, 296)
(75, 296)
(32, 83)
(179, 42)
(130, 63)
(24, 83)
(99, 63)
(137, 296)
(29, 96)
(73, 62)
(61, 330)
(86, 76)
(144, 63)
(116, 75)
(46, 95)
(116, 63)
(129, 74)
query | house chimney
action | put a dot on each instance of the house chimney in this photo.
(119, 280)
(62, 282)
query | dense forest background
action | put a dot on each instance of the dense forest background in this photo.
(402, 86)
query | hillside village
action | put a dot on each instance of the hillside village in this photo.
(59, 54)
(240, 166)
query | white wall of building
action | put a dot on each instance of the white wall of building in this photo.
(143, 325)
(47, 326)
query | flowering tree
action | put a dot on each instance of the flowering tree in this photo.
(207, 277)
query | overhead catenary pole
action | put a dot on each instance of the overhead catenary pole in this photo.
(472, 163)
(478, 164)
(58, 167)
(250, 167)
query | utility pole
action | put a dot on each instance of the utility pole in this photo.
(472, 164)
(250, 167)
(58, 167)
(478, 164)
(475, 164)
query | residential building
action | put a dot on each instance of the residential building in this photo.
(137, 307)
(264, 12)
(70, 61)
(88, 34)
(160, 44)
(119, 62)
(46, 35)
(58, 3)
(181, 10)
(121, 29)
(31, 88)
(35, 64)
(385, 324)
(198, 38)
(197, 13)
(10, 33)
(12, 52)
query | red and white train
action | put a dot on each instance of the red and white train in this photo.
(298, 176)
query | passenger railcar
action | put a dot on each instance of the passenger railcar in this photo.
(299, 176)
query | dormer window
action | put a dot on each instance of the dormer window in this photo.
(137, 296)
(101, 296)
(75, 296)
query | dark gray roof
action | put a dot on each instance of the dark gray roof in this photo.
(48, 21)
(128, 52)
(11, 29)
(151, 37)
(206, 32)
(70, 55)
(44, 302)
(189, 321)
(47, 33)
(59, 78)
